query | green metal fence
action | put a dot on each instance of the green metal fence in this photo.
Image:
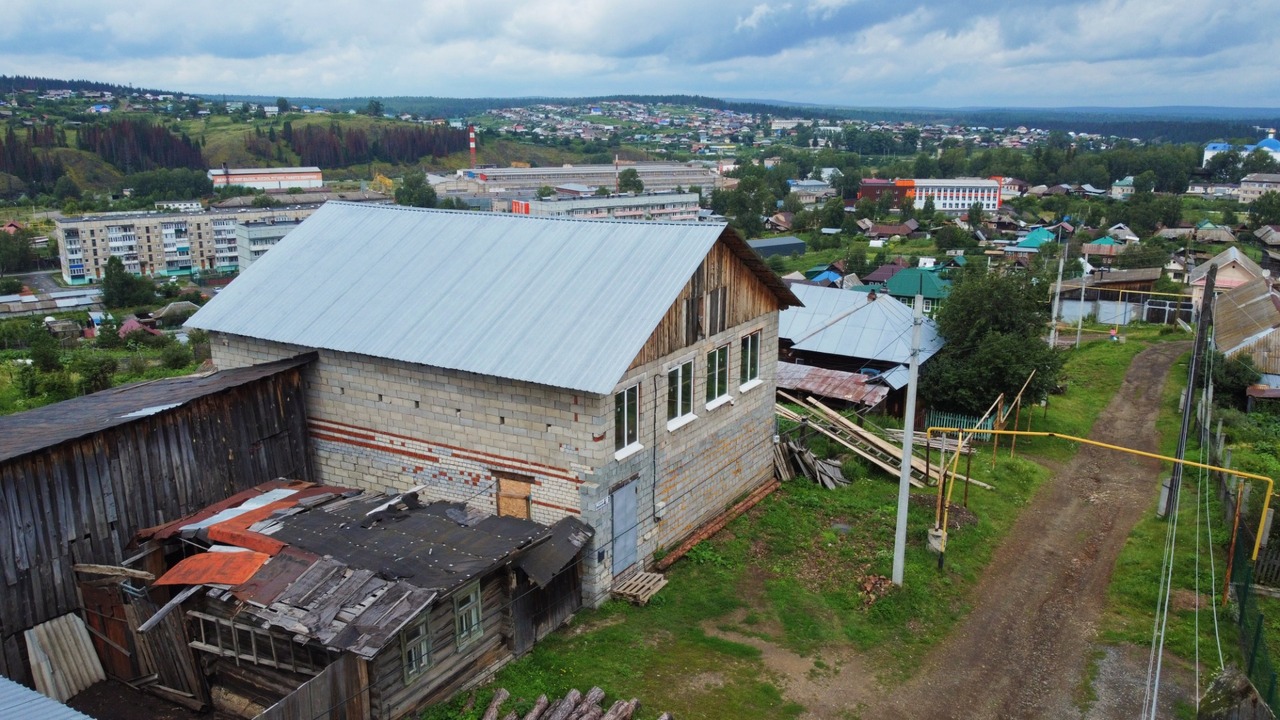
(1258, 662)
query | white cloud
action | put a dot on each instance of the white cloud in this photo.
(757, 15)
(854, 52)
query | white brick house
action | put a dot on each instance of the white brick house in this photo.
(622, 372)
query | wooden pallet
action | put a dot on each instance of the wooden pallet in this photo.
(641, 586)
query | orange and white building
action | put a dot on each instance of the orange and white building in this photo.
(953, 197)
(268, 178)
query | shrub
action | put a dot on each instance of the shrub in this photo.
(176, 356)
(135, 365)
(94, 370)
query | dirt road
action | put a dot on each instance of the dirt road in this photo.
(1024, 649)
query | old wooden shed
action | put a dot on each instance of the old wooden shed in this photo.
(80, 478)
(317, 598)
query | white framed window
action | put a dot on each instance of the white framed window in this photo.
(680, 390)
(928, 305)
(717, 376)
(749, 359)
(467, 614)
(415, 648)
(626, 418)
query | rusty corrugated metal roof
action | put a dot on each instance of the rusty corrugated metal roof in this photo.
(1246, 319)
(850, 387)
(214, 568)
(44, 427)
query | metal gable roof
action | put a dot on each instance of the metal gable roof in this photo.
(577, 301)
(842, 322)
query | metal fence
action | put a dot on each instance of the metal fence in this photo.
(1259, 666)
(955, 420)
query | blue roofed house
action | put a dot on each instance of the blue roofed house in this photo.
(623, 374)
(861, 332)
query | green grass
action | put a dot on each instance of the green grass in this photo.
(144, 366)
(1133, 595)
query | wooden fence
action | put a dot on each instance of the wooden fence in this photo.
(83, 500)
(339, 692)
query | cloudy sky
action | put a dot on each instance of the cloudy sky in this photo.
(939, 53)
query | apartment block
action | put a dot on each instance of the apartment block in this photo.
(159, 244)
(678, 207)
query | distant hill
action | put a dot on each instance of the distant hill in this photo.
(436, 107)
(1174, 124)
(10, 83)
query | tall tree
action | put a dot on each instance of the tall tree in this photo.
(415, 192)
(992, 323)
(629, 181)
(1265, 210)
(282, 104)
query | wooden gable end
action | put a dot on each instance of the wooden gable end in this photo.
(695, 310)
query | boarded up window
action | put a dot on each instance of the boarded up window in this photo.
(515, 494)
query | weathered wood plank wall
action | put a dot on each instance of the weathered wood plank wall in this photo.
(83, 500)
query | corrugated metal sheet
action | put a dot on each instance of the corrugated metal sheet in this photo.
(850, 324)
(1226, 257)
(577, 300)
(63, 661)
(1246, 320)
(850, 387)
(214, 568)
(17, 701)
(47, 426)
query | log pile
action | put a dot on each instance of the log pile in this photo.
(573, 706)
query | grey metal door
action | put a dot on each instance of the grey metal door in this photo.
(623, 501)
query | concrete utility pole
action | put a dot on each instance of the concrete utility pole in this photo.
(908, 433)
(1057, 291)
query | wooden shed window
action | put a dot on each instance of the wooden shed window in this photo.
(468, 613)
(415, 648)
(717, 310)
(515, 494)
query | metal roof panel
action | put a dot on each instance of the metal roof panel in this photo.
(576, 302)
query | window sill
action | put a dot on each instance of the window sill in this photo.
(628, 451)
(750, 385)
(722, 400)
(677, 423)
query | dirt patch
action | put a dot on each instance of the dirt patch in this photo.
(1186, 601)
(1024, 650)
(824, 684)
(1119, 683)
(958, 516)
(111, 700)
(576, 630)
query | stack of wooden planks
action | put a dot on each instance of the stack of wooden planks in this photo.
(864, 443)
(573, 706)
(791, 459)
(945, 444)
